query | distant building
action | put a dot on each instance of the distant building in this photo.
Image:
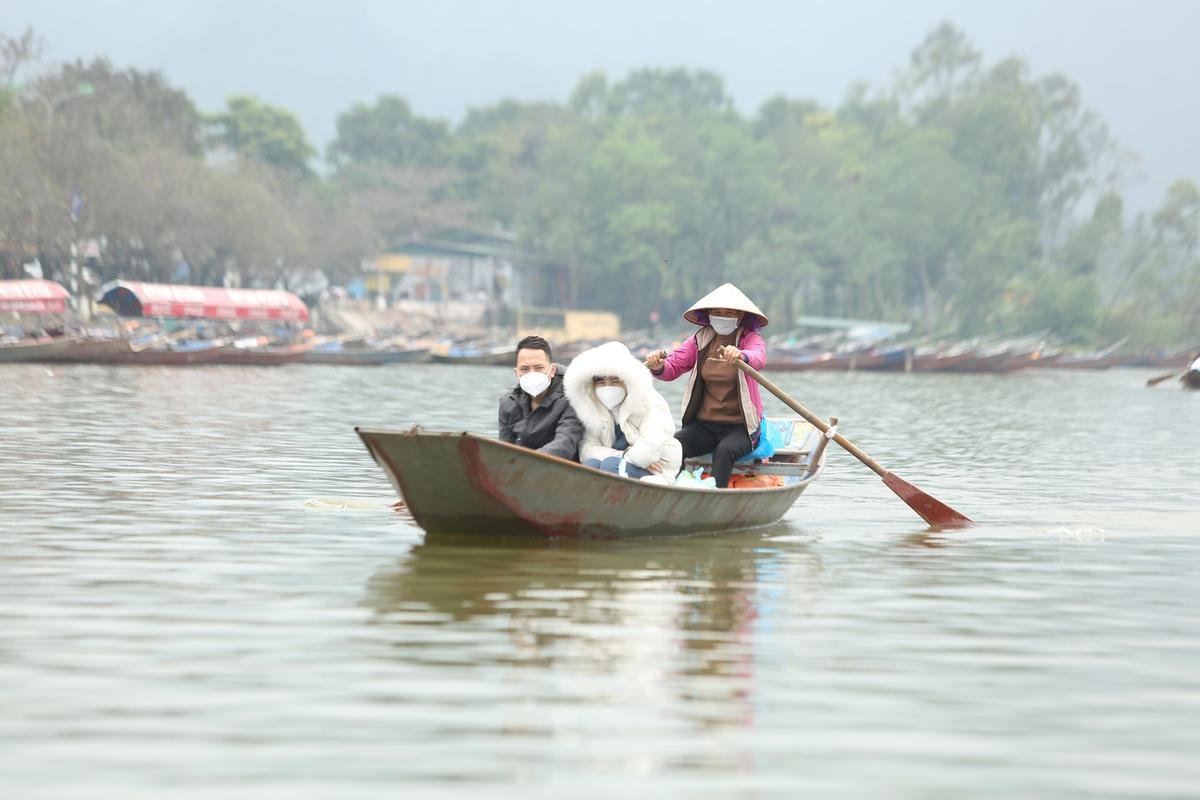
(485, 273)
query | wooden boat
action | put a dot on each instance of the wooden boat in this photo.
(465, 483)
(870, 359)
(1069, 361)
(409, 355)
(172, 354)
(939, 361)
(1018, 360)
(864, 359)
(266, 356)
(1000, 361)
(84, 351)
(798, 363)
(1101, 359)
(35, 349)
(889, 359)
(496, 356)
(1162, 360)
(366, 356)
(1041, 359)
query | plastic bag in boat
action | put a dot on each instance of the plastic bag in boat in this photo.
(695, 479)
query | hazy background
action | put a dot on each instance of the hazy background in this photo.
(1135, 61)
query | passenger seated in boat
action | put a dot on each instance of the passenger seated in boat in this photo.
(722, 408)
(535, 413)
(628, 428)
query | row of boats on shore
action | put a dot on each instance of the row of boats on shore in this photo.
(164, 349)
(343, 350)
(214, 325)
(980, 356)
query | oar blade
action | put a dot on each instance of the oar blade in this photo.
(1161, 378)
(928, 507)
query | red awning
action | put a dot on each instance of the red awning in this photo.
(38, 297)
(136, 299)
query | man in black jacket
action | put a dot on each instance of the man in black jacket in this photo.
(535, 413)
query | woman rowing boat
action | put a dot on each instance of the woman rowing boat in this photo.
(722, 409)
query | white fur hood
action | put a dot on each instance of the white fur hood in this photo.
(644, 415)
(611, 358)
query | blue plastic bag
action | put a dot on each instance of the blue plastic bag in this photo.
(770, 437)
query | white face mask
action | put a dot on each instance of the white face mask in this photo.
(534, 383)
(723, 325)
(611, 396)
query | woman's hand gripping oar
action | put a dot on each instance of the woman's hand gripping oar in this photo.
(930, 509)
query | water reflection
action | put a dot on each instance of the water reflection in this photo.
(679, 614)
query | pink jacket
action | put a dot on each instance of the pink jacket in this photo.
(683, 359)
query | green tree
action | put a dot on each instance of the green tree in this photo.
(500, 151)
(15, 55)
(388, 134)
(667, 93)
(266, 134)
(126, 109)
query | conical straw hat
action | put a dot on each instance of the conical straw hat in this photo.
(724, 296)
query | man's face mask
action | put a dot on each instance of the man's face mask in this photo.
(534, 383)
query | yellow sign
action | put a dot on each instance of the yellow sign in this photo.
(393, 262)
(561, 325)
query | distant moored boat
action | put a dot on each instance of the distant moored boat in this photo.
(35, 349)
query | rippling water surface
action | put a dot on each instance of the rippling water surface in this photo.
(203, 593)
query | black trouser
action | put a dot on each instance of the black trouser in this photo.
(727, 443)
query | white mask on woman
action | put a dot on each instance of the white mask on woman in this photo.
(534, 383)
(611, 396)
(723, 325)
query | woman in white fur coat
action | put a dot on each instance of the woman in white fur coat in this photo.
(627, 425)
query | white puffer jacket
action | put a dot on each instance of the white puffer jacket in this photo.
(644, 416)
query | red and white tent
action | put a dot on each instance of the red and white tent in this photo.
(35, 297)
(137, 299)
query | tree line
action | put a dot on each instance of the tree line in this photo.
(965, 197)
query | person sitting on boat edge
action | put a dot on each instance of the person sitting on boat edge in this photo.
(722, 408)
(628, 428)
(535, 413)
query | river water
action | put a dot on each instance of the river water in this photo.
(203, 593)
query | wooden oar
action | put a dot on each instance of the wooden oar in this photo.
(930, 509)
(1172, 374)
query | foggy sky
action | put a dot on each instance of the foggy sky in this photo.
(1135, 61)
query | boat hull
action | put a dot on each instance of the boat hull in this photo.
(1160, 360)
(366, 357)
(261, 357)
(1075, 362)
(799, 363)
(163, 357)
(833, 362)
(464, 483)
(43, 350)
(84, 351)
(1191, 379)
(505, 358)
(939, 362)
(995, 362)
